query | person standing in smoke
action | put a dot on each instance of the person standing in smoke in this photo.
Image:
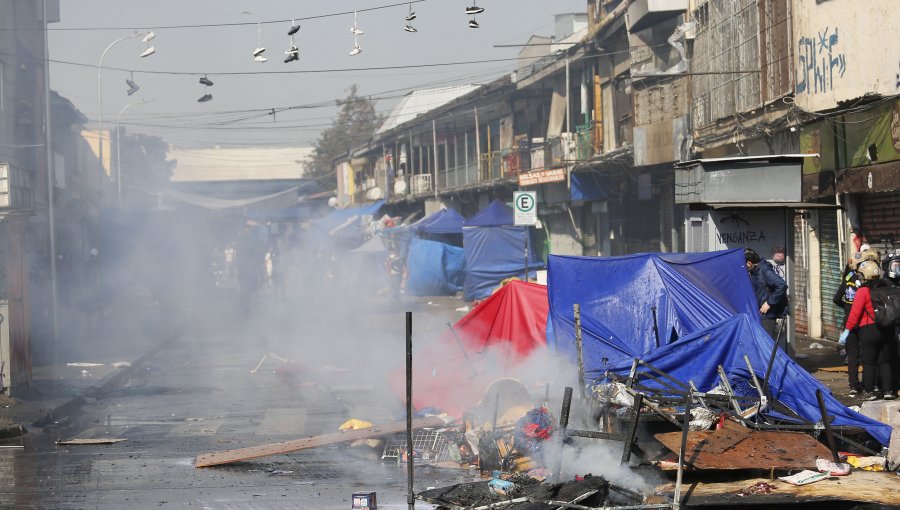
(843, 297)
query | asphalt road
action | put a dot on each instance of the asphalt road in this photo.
(199, 394)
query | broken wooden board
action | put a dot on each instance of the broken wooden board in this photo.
(255, 452)
(834, 370)
(859, 486)
(89, 441)
(759, 450)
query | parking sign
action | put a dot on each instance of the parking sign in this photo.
(525, 208)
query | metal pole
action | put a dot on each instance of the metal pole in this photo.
(685, 428)
(119, 145)
(525, 230)
(563, 424)
(629, 441)
(655, 326)
(828, 434)
(477, 147)
(51, 194)
(435, 156)
(410, 454)
(100, 93)
(568, 103)
(579, 346)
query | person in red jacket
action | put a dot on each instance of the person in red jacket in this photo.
(872, 340)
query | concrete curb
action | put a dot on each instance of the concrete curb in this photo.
(97, 391)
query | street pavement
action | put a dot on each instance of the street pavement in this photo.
(198, 394)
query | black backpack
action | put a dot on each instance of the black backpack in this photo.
(886, 303)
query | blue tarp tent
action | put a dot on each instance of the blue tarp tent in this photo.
(445, 221)
(495, 250)
(705, 314)
(434, 268)
(688, 291)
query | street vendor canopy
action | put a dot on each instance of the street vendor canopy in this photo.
(445, 221)
(494, 338)
(343, 219)
(697, 356)
(621, 296)
(434, 268)
(495, 250)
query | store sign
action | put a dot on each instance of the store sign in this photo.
(525, 203)
(542, 177)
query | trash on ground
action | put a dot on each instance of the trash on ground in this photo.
(833, 468)
(804, 477)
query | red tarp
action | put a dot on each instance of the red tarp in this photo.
(497, 335)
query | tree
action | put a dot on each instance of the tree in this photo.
(355, 124)
(145, 169)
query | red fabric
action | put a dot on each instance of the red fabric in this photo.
(862, 313)
(512, 322)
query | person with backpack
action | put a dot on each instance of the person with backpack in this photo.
(873, 340)
(843, 297)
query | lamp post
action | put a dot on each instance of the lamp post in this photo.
(119, 147)
(147, 36)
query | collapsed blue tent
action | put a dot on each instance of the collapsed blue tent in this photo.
(434, 268)
(703, 305)
(697, 357)
(495, 250)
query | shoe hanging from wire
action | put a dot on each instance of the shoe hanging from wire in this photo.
(355, 30)
(132, 86)
(473, 10)
(356, 49)
(206, 82)
(149, 36)
(293, 52)
(409, 18)
(260, 49)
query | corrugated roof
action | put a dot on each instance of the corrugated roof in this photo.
(418, 102)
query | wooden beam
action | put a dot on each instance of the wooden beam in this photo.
(255, 452)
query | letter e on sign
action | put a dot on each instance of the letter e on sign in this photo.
(525, 206)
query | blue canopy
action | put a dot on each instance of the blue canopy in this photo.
(495, 214)
(697, 356)
(434, 268)
(689, 292)
(445, 221)
(494, 254)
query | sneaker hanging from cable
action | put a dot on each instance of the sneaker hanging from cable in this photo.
(260, 49)
(412, 15)
(149, 36)
(294, 28)
(473, 10)
(204, 98)
(132, 86)
(206, 81)
(355, 30)
(409, 17)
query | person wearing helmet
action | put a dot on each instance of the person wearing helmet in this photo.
(891, 269)
(843, 297)
(770, 290)
(872, 340)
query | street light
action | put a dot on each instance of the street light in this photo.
(146, 38)
(119, 147)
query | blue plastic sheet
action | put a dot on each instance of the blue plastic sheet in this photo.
(342, 219)
(434, 268)
(445, 221)
(697, 357)
(494, 254)
(618, 296)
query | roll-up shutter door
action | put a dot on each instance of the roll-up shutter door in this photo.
(832, 267)
(879, 218)
(798, 286)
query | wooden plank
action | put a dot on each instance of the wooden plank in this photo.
(88, 441)
(835, 370)
(255, 452)
(861, 486)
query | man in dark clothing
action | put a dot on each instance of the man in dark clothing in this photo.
(770, 290)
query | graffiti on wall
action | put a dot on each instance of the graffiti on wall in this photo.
(820, 61)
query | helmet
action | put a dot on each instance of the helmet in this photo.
(869, 270)
(866, 255)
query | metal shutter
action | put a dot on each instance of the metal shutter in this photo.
(832, 267)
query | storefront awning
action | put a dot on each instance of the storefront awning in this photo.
(772, 205)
